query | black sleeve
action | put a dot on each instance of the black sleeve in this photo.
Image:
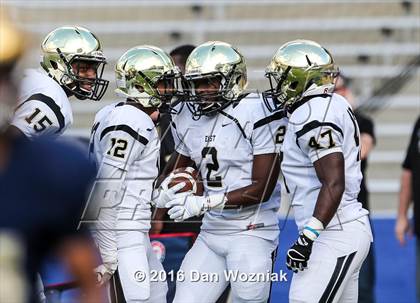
(366, 126)
(411, 150)
(167, 142)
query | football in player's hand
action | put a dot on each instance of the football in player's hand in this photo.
(191, 178)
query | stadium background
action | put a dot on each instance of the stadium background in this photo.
(375, 43)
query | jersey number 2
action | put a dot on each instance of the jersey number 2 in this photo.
(281, 131)
(215, 181)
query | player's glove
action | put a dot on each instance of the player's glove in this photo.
(184, 207)
(163, 194)
(298, 255)
(103, 274)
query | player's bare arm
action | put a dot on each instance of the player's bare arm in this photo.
(265, 172)
(330, 172)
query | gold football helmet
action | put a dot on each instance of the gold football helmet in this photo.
(220, 61)
(64, 50)
(139, 72)
(299, 68)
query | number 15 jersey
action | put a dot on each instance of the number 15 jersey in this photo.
(44, 108)
(222, 147)
(323, 125)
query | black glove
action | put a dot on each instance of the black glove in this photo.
(298, 254)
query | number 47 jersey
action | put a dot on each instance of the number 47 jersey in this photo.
(323, 125)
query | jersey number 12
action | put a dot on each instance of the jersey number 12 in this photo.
(118, 147)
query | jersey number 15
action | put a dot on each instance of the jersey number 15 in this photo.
(42, 123)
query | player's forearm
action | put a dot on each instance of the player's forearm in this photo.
(266, 169)
(366, 146)
(405, 193)
(159, 214)
(106, 196)
(249, 195)
(328, 201)
(330, 172)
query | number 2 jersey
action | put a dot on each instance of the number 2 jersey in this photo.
(323, 125)
(125, 146)
(222, 147)
(43, 107)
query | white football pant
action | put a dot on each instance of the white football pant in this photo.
(136, 261)
(333, 268)
(218, 255)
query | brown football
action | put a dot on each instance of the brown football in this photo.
(192, 180)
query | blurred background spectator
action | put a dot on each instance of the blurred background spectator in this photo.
(179, 55)
(367, 141)
(410, 192)
(43, 187)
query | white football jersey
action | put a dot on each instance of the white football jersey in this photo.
(222, 147)
(321, 126)
(125, 138)
(43, 107)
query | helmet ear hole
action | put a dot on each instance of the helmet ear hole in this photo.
(139, 88)
(54, 64)
(294, 85)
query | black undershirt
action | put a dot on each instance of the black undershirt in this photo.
(412, 163)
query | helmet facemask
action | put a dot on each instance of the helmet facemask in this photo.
(149, 91)
(290, 84)
(222, 91)
(221, 68)
(74, 82)
(274, 98)
(165, 88)
(299, 69)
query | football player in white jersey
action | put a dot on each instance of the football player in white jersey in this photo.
(72, 64)
(321, 167)
(126, 145)
(234, 141)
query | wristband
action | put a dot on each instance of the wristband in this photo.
(215, 202)
(313, 228)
